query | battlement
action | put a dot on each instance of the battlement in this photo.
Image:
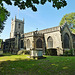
(28, 34)
(41, 32)
(17, 20)
(50, 30)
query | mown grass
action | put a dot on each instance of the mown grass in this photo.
(22, 65)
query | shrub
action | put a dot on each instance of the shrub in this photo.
(51, 52)
(68, 53)
(27, 51)
(23, 52)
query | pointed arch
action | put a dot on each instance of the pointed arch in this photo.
(50, 42)
(39, 43)
(22, 43)
(66, 40)
(28, 43)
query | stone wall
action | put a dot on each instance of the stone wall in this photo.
(31, 43)
(57, 43)
(33, 37)
(56, 36)
(43, 35)
(12, 28)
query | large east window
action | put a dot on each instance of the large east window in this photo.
(66, 40)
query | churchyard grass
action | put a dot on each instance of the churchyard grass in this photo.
(23, 65)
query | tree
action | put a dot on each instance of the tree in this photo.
(0, 42)
(3, 17)
(70, 18)
(23, 4)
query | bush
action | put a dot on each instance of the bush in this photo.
(23, 52)
(68, 53)
(27, 51)
(51, 52)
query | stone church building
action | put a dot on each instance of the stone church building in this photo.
(59, 38)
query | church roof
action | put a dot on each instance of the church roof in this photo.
(48, 30)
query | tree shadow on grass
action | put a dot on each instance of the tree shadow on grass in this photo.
(17, 67)
(5, 54)
(29, 66)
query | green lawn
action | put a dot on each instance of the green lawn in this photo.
(22, 65)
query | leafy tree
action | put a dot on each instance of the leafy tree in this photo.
(3, 17)
(23, 4)
(0, 42)
(70, 18)
(73, 30)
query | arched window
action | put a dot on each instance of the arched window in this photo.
(39, 43)
(50, 42)
(19, 25)
(28, 43)
(21, 43)
(66, 41)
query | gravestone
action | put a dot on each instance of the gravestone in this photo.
(36, 54)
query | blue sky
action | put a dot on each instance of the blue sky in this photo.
(45, 17)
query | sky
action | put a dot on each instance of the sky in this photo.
(45, 17)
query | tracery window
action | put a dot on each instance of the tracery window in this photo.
(66, 41)
(21, 43)
(50, 42)
(39, 43)
(28, 43)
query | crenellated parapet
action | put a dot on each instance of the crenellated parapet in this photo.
(33, 34)
(28, 34)
(41, 32)
(36, 34)
(49, 30)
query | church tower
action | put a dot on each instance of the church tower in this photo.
(17, 26)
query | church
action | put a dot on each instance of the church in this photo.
(58, 38)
